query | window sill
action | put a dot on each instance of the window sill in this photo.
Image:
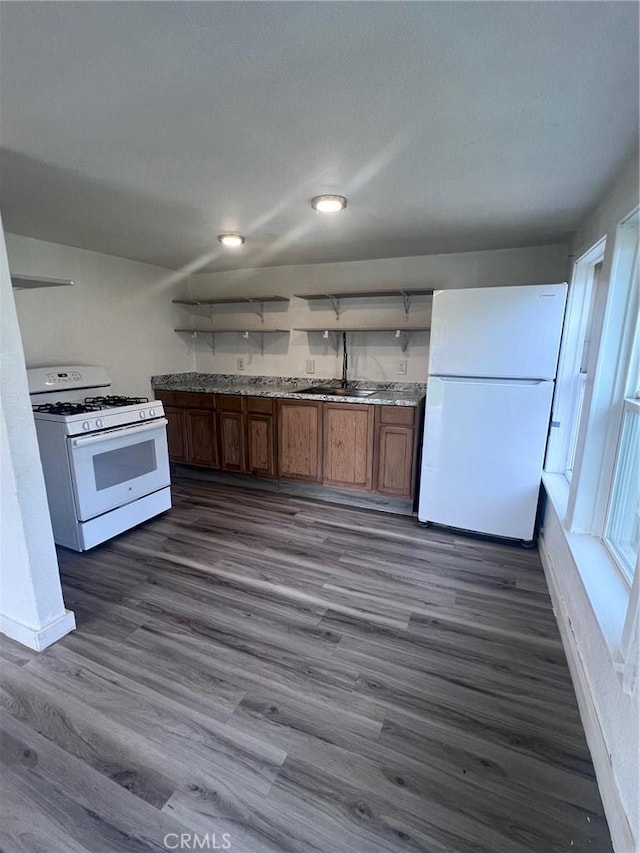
(607, 592)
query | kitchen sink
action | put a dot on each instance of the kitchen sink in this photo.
(332, 390)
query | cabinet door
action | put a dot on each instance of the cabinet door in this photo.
(299, 445)
(194, 400)
(395, 460)
(202, 439)
(261, 450)
(348, 445)
(176, 433)
(231, 441)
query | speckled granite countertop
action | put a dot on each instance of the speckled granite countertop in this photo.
(289, 387)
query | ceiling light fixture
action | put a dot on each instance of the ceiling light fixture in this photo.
(231, 240)
(328, 203)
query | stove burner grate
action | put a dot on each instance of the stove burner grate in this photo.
(113, 401)
(66, 408)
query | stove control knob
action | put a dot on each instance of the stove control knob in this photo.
(99, 422)
(86, 425)
(152, 413)
(143, 414)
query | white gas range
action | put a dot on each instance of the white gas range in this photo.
(105, 458)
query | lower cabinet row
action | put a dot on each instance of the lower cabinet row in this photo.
(345, 445)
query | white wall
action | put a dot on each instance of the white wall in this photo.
(118, 314)
(31, 606)
(610, 716)
(371, 356)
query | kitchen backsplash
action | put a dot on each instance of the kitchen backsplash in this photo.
(377, 356)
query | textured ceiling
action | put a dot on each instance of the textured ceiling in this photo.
(145, 129)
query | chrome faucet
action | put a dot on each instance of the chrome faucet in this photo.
(345, 361)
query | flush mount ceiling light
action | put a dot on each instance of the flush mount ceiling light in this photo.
(328, 203)
(231, 240)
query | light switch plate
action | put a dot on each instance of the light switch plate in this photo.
(310, 366)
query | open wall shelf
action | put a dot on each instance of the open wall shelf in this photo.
(244, 333)
(235, 300)
(336, 296)
(236, 331)
(401, 333)
(360, 294)
(257, 302)
(323, 329)
(29, 282)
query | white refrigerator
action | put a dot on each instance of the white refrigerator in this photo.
(492, 364)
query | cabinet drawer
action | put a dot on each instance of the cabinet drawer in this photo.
(399, 415)
(193, 400)
(261, 405)
(227, 403)
(167, 398)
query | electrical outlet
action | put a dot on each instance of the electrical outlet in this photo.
(402, 367)
(310, 366)
(240, 363)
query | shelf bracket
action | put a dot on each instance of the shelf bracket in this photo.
(406, 301)
(403, 337)
(247, 336)
(335, 337)
(259, 306)
(210, 338)
(335, 304)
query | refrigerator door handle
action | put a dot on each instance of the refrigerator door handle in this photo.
(486, 380)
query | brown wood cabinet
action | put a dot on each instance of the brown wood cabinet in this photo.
(343, 445)
(396, 446)
(202, 437)
(348, 445)
(299, 440)
(260, 430)
(192, 433)
(231, 422)
(176, 433)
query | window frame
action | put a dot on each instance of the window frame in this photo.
(612, 365)
(631, 406)
(581, 308)
(612, 358)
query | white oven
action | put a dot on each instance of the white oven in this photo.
(105, 458)
(117, 466)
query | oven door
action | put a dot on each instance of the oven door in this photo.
(114, 467)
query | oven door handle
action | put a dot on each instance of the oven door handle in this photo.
(84, 440)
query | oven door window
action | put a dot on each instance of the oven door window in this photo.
(112, 469)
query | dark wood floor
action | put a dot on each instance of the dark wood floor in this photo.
(303, 677)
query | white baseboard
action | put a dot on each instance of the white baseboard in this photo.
(40, 638)
(621, 834)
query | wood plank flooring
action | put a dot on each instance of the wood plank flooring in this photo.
(305, 678)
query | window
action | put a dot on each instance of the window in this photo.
(598, 442)
(622, 531)
(576, 361)
(590, 281)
